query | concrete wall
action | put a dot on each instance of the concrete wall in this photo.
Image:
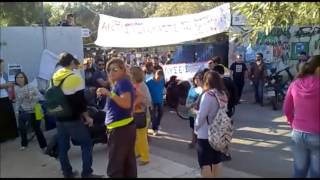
(24, 45)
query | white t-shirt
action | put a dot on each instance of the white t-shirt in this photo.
(3, 92)
(148, 76)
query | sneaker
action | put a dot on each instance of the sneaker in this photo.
(73, 175)
(155, 133)
(22, 148)
(143, 163)
(93, 176)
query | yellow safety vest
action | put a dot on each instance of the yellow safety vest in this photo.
(120, 123)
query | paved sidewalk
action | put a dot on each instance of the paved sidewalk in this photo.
(31, 163)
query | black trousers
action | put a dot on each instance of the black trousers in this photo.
(122, 160)
(240, 85)
(8, 124)
(24, 118)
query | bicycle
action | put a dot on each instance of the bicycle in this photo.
(176, 96)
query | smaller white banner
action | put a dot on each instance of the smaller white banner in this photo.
(184, 71)
(13, 69)
(85, 32)
(47, 64)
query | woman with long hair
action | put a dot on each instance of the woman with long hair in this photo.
(26, 98)
(301, 107)
(214, 96)
(8, 124)
(119, 121)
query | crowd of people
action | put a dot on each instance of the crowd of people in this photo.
(131, 95)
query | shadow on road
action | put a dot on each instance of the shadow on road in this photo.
(260, 146)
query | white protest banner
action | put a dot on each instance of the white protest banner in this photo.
(184, 71)
(158, 31)
(47, 64)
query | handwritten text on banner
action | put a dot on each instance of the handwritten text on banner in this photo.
(184, 71)
(157, 31)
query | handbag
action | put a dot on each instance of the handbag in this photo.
(38, 112)
(140, 119)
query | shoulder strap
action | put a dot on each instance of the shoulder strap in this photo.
(214, 94)
(60, 84)
(64, 79)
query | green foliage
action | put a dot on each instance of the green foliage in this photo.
(179, 8)
(264, 16)
(20, 13)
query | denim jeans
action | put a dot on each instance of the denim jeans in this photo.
(306, 154)
(80, 133)
(258, 90)
(24, 118)
(157, 112)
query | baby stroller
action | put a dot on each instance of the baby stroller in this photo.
(97, 132)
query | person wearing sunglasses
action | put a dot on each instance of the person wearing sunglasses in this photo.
(258, 76)
(119, 121)
(100, 79)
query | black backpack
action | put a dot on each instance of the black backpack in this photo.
(57, 103)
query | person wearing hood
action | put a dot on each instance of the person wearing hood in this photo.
(73, 126)
(301, 107)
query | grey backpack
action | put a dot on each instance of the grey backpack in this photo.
(220, 130)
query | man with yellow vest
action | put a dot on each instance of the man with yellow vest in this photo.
(73, 126)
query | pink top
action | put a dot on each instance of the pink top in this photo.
(302, 104)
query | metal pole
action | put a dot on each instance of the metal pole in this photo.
(43, 27)
(0, 43)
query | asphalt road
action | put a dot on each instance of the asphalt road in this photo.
(260, 146)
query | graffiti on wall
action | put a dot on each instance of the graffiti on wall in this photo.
(280, 45)
(307, 31)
